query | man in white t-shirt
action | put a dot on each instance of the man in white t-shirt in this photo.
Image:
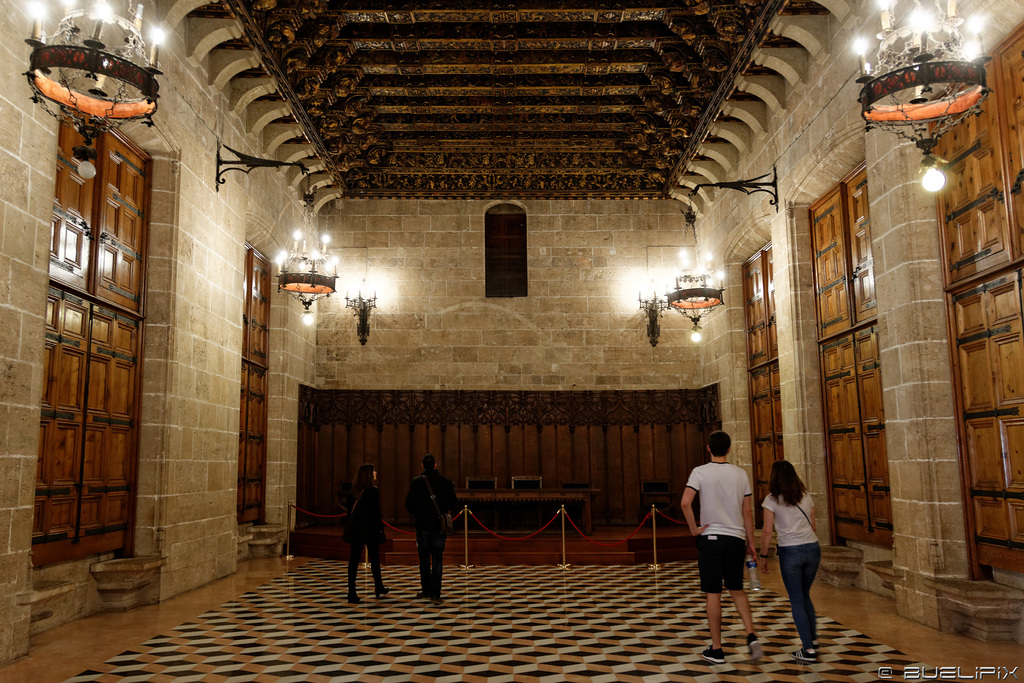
(724, 539)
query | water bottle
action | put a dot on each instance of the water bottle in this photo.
(752, 575)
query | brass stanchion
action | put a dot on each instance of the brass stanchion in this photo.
(288, 557)
(654, 537)
(366, 558)
(465, 538)
(564, 565)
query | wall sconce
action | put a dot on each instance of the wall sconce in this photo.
(653, 307)
(361, 307)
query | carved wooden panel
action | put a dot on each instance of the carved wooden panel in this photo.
(70, 238)
(863, 274)
(611, 439)
(990, 348)
(505, 262)
(972, 205)
(252, 443)
(756, 310)
(762, 428)
(828, 237)
(121, 175)
(843, 431)
(1010, 91)
(776, 388)
(872, 419)
(771, 324)
(256, 316)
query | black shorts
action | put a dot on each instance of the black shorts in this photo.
(720, 558)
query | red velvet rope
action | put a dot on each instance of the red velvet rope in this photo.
(510, 538)
(401, 531)
(313, 514)
(674, 521)
(610, 545)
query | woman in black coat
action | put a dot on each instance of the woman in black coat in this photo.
(364, 528)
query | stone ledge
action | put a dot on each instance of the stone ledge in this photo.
(267, 540)
(127, 583)
(42, 593)
(841, 566)
(884, 570)
(980, 609)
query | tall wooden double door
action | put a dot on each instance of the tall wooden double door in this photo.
(88, 442)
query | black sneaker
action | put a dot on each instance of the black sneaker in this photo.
(714, 656)
(754, 645)
(802, 655)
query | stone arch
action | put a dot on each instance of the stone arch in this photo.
(830, 162)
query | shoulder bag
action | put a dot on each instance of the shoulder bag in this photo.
(447, 527)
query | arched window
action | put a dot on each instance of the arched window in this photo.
(505, 251)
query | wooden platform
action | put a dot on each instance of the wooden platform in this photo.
(674, 544)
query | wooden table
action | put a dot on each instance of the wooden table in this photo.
(502, 499)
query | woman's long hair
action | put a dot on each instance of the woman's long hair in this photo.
(363, 480)
(784, 483)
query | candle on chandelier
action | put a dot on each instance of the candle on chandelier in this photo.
(886, 17)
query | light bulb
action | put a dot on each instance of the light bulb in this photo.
(933, 179)
(334, 260)
(860, 46)
(709, 257)
(282, 257)
(325, 238)
(695, 335)
(920, 21)
(975, 24)
(884, 4)
(315, 255)
(307, 318)
(157, 36)
(720, 275)
(36, 10)
(297, 235)
(86, 169)
(103, 12)
(972, 50)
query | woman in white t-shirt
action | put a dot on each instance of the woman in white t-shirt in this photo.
(789, 509)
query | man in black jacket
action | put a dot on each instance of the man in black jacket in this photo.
(430, 538)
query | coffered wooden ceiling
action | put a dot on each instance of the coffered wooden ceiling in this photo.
(472, 99)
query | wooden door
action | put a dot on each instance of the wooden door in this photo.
(771, 328)
(252, 443)
(862, 275)
(776, 389)
(70, 236)
(763, 434)
(972, 205)
(256, 319)
(872, 420)
(843, 428)
(121, 174)
(1011, 93)
(61, 418)
(754, 306)
(505, 261)
(828, 236)
(990, 351)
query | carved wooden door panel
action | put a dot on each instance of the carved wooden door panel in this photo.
(121, 260)
(862, 276)
(1011, 87)
(991, 364)
(252, 443)
(59, 467)
(872, 418)
(110, 443)
(972, 203)
(257, 318)
(70, 240)
(753, 296)
(763, 433)
(829, 239)
(773, 375)
(843, 427)
(769, 297)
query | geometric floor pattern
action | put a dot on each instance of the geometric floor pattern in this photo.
(537, 624)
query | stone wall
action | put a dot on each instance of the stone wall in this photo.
(579, 328)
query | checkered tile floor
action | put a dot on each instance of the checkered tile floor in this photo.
(594, 624)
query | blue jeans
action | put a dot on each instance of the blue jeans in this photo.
(798, 564)
(430, 546)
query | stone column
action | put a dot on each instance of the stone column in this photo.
(928, 534)
(802, 418)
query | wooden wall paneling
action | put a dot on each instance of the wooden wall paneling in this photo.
(828, 236)
(645, 452)
(563, 453)
(972, 205)
(121, 180)
(865, 306)
(484, 452)
(776, 398)
(582, 454)
(256, 342)
(70, 238)
(755, 310)
(531, 450)
(499, 454)
(771, 328)
(631, 473)
(872, 417)
(1009, 64)
(613, 483)
(762, 434)
(307, 459)
(467, 455)
(391, 474)
(243, 400)
(991, 363)
(661, 448)
(599, 466)
(331, 466)
(548, 452)
(516, 457)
